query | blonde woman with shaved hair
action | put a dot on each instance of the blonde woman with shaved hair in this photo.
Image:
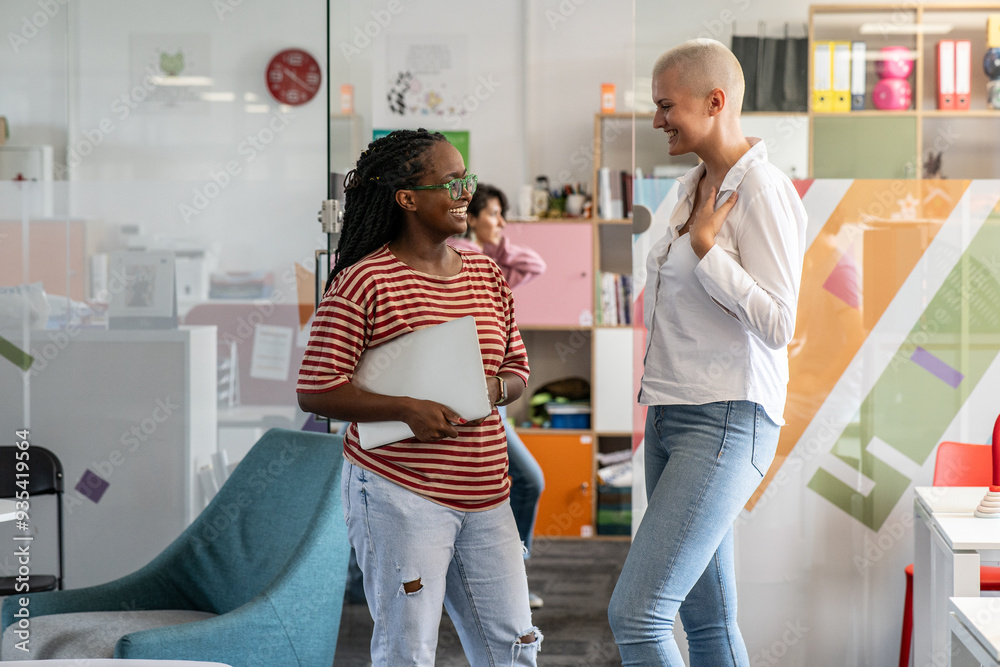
(720, 302)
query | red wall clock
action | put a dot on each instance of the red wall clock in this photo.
(293, 77)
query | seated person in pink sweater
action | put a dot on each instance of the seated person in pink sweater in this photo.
(519, 264)
(485, 234)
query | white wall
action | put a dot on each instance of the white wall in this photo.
(546, 59)
(575, 46)
(134, 161)
(33, 95)
(362, 31)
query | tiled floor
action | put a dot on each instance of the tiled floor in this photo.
(574, 577)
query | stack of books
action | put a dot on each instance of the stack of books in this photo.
(241, 285)
(615, 291)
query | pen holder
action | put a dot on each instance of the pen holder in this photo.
(574, 205)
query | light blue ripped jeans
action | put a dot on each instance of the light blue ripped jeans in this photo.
(703, 462)
(470, 561)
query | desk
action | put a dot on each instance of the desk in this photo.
(89, 393)
(975, 622)
(948, 544)
(7, 512)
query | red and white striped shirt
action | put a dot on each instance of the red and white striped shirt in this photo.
(380, 298)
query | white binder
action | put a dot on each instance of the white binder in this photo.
(859, 66)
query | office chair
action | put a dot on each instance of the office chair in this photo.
(45, 477)
(956, 464)
(256, 580)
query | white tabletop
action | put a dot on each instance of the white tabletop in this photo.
(981, 616)
(952, 511)
(950, 499)
(7, 512)
(969, 533)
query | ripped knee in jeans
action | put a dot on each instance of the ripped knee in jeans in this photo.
(410, 587)
(531, 640)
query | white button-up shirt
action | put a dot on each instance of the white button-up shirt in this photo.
(717, 328)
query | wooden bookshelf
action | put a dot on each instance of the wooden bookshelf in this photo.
(895, 144)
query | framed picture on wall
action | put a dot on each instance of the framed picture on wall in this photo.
(141, 291)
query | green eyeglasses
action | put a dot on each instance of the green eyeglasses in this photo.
(455, 187)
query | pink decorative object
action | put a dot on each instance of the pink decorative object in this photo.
(989, 507)
(894, 62)
(996, 453)
(892, 95)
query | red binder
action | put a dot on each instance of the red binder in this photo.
(946, 74)
(963, 74)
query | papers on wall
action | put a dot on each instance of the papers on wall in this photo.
(426, 82)
(272, 352)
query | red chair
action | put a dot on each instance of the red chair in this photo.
(957, 464)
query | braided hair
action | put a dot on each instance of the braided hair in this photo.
(372, 217)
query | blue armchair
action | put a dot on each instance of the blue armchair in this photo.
(257, 579)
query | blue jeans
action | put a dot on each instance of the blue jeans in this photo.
(526, 484)
(703, 462)
(416, 554)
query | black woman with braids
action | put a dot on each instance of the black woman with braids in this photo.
(429, 517)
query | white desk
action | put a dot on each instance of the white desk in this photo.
(7, 512)
(93, 392)
(948, 544)
(975, 622)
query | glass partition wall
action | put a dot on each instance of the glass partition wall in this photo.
(159, 192)
(158, 231)
(157, 258)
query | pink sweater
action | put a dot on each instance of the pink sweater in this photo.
(518, 263)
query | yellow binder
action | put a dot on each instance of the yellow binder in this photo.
(822, 80)
(841, 77)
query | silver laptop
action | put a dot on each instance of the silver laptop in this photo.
(441, 363)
